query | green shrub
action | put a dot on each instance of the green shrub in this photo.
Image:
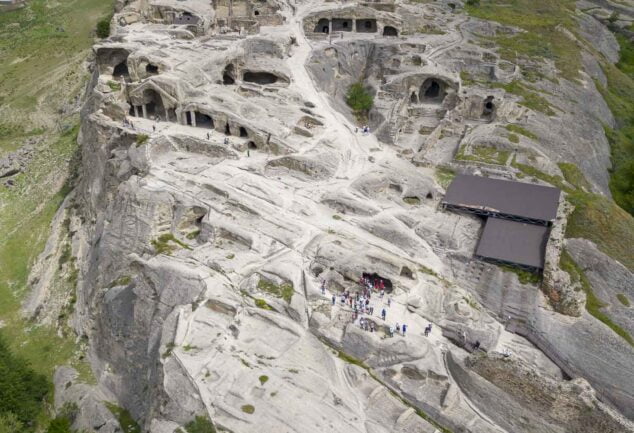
(284, 291)
(247, 408)
(261, 303)
(520, 130)
(141, 139)
(200, 424)
(9, 423)
(127, 423)
(623, 299)
(263, 379)
(61, 424)
(360, 100)
(21, 389)
(103, 27)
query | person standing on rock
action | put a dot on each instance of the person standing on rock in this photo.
(323, 287)
(404, 329)
(389, 301)
(334, 299)
(391, 331)
(398, 328)
(383, 313)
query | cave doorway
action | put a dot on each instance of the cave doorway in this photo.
(227, 129)
(488, 108)
(413, 98)
(390, 31)
(243, 132)
(366, 26)
(433, 91)
(341, 25)
(261, 78)
(376, 281)
(252, 146)
(229, 75)
(121, 71)
(203, 120)
(151, 69)
(154, 104)
(323, 26)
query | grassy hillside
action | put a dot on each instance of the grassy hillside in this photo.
(42, 47)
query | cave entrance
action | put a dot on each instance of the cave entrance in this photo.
(251, 145)
(121, 70)
(433, 91)
(341, 25)
(377, 281)
(262, 78)
(227, 129)
(188, 118)
(488, 109)
(256, 13)
(366, 26)
(229, 75)
(151, 69)
(203, 120)
(323, 26)
(243, 132)
(154, 105)
(413, 98)
(390, 31)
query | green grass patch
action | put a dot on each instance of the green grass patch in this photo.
(517, 129)
(261, 303)
(142, 139)
(484, 154)
(430, 29)
(413, 201)
(263, 379)
(336, 217)
(123, 280)
(359, 100)
(127, 423)
(529, 96)
(114, 86)
(200, 424)
(594, 305)
(248, 408)
(544, 21)
(444, 176)
(192, 235)
(574, 176)
(284, 290)
(525, 277)
(167, 244)
(618, 96)
(623, 299)
(514, 138)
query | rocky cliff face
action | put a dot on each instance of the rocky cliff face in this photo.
(224, 182)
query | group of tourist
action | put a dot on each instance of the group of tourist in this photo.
(359, 303)
(365, 129)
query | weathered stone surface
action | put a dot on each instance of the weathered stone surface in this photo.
(227, 181)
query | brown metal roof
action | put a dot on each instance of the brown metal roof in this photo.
(515, 242)
(502, 196)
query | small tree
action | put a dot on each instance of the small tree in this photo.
(103, 27)
(360, 100)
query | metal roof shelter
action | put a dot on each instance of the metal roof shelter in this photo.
(514, 243)
(518, 201)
